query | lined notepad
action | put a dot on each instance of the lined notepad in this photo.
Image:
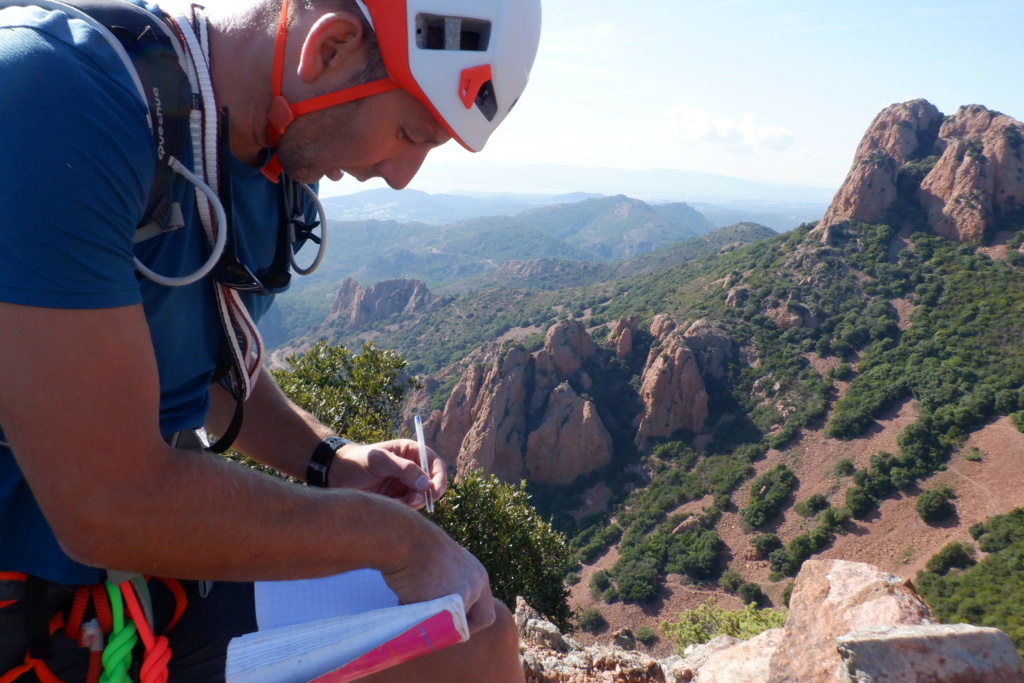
(296, 643)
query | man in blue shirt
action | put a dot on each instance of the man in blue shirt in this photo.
(99, 367)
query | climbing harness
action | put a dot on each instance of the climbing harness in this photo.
(121, 616)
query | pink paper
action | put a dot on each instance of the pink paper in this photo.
(433, 633)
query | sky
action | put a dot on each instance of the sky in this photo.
(776, 91)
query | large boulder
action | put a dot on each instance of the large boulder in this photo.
(831, 599)
(953, 653)
(672, 391)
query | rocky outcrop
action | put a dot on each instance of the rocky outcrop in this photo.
(737, 296)
(895, 135)
(848, 623)
(831, 599)
(570, 425)
(957, 653)
(520, 417)
(621, 335)
(977, 180)
(672, 387)
(362, 306)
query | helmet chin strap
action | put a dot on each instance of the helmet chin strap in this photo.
(282, 112)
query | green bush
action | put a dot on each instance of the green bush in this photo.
(646, 635)
(599, 583)
(973, 454)
(730, 580)
(787, 593)
(522, 553)
(766, 543)
(952, 556)
(858, 502)
(358, 396)
(935, 505)
(710, 621)
(591, 620)
(812, 506)
(750, 593)
(843, 467)
(768, 494)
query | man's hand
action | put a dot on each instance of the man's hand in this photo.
(435, 565)
(389, 468)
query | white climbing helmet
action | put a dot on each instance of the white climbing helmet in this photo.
(466, 61)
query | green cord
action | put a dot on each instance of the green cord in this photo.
(117, 655)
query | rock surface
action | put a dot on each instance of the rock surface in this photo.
(955, 653)
(621, 336)
(672, 387)
(362, 306)
(831, 599)
(976, 182)
(520, 418)
(849, 623)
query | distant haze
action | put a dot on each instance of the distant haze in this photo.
(649, 185)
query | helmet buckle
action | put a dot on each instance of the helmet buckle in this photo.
(470, 82)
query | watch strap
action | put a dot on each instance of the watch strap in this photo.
(323, 456)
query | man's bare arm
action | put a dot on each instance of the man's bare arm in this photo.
(79, 404)
(278, 433)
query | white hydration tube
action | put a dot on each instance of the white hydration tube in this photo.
(218, 246)
(323, 235)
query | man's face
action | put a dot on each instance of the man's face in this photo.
(386, 136)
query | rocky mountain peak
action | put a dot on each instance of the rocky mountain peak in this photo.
(521, 417)
(968, 169)
(362, 306)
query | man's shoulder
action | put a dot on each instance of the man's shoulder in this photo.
(46, 46)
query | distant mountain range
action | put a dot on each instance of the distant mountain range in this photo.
(407, 206)
(652, 185)
(594, 229)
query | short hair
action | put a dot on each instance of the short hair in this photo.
(374, 68)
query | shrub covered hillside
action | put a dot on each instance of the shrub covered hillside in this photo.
(784, 302)
(960, 589)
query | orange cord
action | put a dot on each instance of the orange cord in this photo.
(158, 651)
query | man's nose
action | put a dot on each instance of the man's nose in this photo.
(398, 172)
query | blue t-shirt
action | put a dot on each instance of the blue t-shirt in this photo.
(77, 167)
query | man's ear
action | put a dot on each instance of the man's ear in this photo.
(334, 44)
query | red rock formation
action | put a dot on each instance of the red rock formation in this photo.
(571, 440)
(672, 391)
(869, 190)
(621, 336)
(977, 180)
(979, 176)
(365, 305)
(518, 418)
(711, 344)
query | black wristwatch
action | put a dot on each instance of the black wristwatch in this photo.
(320, 464)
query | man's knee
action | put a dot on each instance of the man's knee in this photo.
(504, 626)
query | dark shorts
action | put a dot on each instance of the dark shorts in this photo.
(198, 641)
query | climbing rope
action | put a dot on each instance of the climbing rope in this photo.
(117, 656)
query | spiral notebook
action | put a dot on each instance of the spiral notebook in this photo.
(297, 643)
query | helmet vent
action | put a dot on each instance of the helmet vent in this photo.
(486, 102)
(436, 32)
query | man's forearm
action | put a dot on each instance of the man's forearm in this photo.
(193, 515)
(275, 431)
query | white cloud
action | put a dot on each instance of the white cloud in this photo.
(691, 125)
